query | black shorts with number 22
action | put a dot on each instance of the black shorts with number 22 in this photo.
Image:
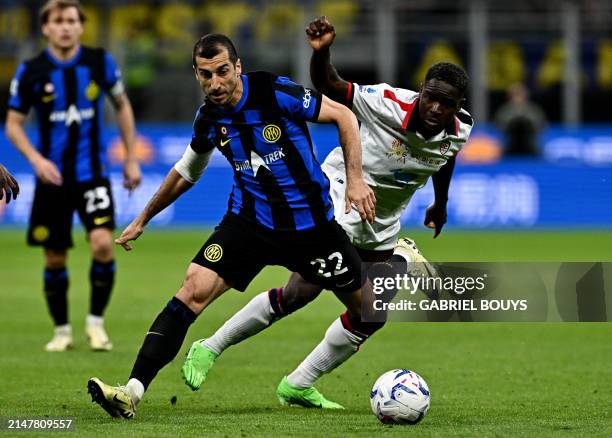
(237, 250)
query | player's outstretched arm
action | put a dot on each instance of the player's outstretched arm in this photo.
(357, 191)
(435, 215)
(174, 185)
(323, 74)
(125, 119)
(45, 170)
(8, 185)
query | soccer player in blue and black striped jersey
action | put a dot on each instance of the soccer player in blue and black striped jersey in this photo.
(66, 84)
(279, 213)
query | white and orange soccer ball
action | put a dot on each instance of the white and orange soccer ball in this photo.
(400, 396)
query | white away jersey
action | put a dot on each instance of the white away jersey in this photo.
(396, 159)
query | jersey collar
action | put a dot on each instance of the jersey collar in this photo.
(69, 63)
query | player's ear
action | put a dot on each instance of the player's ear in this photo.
(238, 67)
(461, 103)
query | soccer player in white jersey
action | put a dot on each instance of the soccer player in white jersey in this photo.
(407, 137)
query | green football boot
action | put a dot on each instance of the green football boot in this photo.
(306, 397)
(197, 364)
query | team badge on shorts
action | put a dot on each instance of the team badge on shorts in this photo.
(213, 253)
(271, 133)
(40, 233)
(444, 146)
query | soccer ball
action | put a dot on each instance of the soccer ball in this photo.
(400, 396)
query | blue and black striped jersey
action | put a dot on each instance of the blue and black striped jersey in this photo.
(67, 97)
(278, 181)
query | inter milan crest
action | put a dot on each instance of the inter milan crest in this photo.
(271, 133)
(445, 146)
(213, 253)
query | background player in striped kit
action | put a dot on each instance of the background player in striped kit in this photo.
(279, 211)
(66, 84)
(406, 137)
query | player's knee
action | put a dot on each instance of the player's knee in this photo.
(200, 287)
(55, 258)
(101, 242)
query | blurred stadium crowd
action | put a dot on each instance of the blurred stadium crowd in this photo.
(501, 43)
(541, 80)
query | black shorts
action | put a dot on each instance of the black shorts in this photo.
(237, 250)
(53, 208)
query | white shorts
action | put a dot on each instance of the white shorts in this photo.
(379, 236)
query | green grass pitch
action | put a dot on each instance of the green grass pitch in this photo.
(486, 379)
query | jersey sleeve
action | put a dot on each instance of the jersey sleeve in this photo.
(113, 83)
(296, 101)
(377, 102)
(200, 143)
(20, 92)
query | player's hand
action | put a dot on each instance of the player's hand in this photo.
(435, 218)
(131, 174)
(362, 196)
(48, 172)
(8, 185)
(131, 232)
(320, 33)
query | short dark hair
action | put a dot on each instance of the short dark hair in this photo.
(51, 5)
(211, 45)
(450, 73)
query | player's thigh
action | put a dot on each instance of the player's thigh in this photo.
(200, 287)
(94, 204)
(328, 259)
(51, 217)
(235, 252)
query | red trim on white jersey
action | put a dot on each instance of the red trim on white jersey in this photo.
(349, 94)
(408, 107)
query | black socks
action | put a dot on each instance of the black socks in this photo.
(56, 288)
(163, 341)
(102, 278)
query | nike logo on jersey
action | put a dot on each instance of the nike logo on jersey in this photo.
(224, 142)
(102, 220)
(47, 99)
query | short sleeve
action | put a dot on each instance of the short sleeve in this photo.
(299, 103)
(380, 102)
(113, 82)
(20, 94)
(200, 142)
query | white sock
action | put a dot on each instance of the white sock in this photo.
(94, 320)
(135, 390)
(65, 329)
(338, 345)
(248, 321)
